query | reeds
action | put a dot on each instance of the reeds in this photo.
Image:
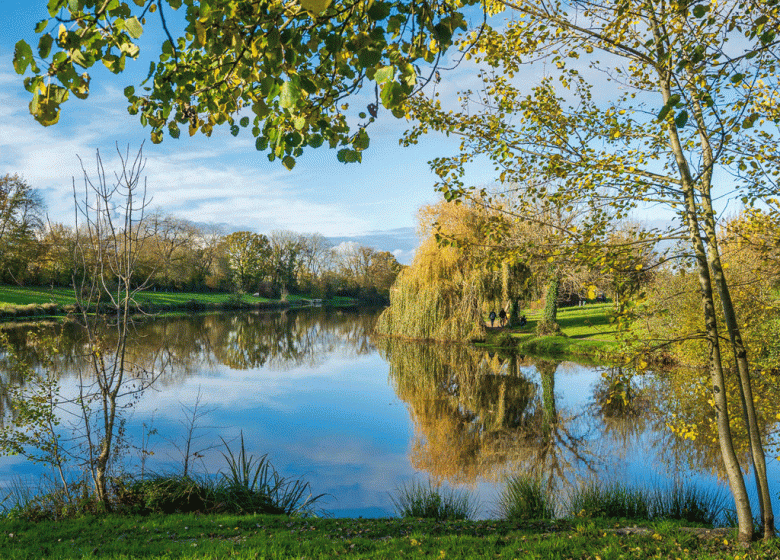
(419, 500)
(523, 498)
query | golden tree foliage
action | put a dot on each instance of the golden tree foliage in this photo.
(440, 296)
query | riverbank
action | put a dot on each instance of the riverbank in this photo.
(24, 303)
(587, 334)
(188, 536)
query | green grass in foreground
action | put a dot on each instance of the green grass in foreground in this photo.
(262, 536)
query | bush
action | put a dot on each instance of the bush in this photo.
(523, 498)
(424, 501)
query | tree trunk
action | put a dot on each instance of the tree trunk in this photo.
(743, 368)
(692, 221)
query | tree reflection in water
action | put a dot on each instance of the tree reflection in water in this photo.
(189, 344)
(480, 416)
(476, 416)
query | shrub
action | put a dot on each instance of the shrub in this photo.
(424, 501)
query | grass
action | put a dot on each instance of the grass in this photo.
(524, 498)
(250, 485)
(611, 500)
(419, 500)
(587, 334)
(679, 502)
(22, 302)
(190, 537)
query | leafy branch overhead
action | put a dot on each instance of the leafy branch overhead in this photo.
(284, 69)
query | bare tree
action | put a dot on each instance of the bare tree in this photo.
(109, 240)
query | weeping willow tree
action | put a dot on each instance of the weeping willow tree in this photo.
(453, 276)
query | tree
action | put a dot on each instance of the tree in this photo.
(442, 294)
(249, 258)
(21, 221)
(109, 242)
(690, 102)
(85, 423)
(286, 251)
(294, 64)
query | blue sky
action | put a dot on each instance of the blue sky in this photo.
(218, 180)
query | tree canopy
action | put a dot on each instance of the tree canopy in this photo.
(285, 69)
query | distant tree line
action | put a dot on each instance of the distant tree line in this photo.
(178, 255)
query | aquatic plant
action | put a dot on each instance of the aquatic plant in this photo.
(525, 497)
(426, 501)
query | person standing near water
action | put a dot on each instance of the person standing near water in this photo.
(502, 316)
(492, 318)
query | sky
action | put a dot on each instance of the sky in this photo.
(218, 180)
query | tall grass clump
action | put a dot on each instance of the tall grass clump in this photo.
(689, 502)
(426, 501)
(525, 497)
(253, 485)
(614, 499)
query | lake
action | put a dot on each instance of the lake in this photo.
(358, 416)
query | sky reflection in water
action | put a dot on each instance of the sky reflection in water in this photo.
(310, 389)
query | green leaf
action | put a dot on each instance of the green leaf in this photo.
(289, 95)
(54, 6)
(378, 11)
(244, 121)
(41, 25)
(78, 58)
(23, 57)
(681, 119)
(315, 7)
(134, 27)
(384, 74)
(361, 140)
(80, 86)
(700, 10)
(44, 45)
(260, 109)
(73, 6)
(200, 33)
(391, 94)
(288, 162)
(45, 106)
(234, 130)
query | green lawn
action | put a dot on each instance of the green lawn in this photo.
(15, 295)
(262, 536)
(588, 333)
(16, 302)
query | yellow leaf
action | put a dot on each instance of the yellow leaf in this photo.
(315, 7)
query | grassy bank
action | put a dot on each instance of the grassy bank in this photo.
(264, 536)
(587, 334)
(28, 302)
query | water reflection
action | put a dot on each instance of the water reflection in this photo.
(358, 416)
(482, 416)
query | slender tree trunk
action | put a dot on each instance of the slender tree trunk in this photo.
(743, 368)
(730, 317)
(691, 218)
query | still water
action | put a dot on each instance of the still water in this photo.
(358, 416)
